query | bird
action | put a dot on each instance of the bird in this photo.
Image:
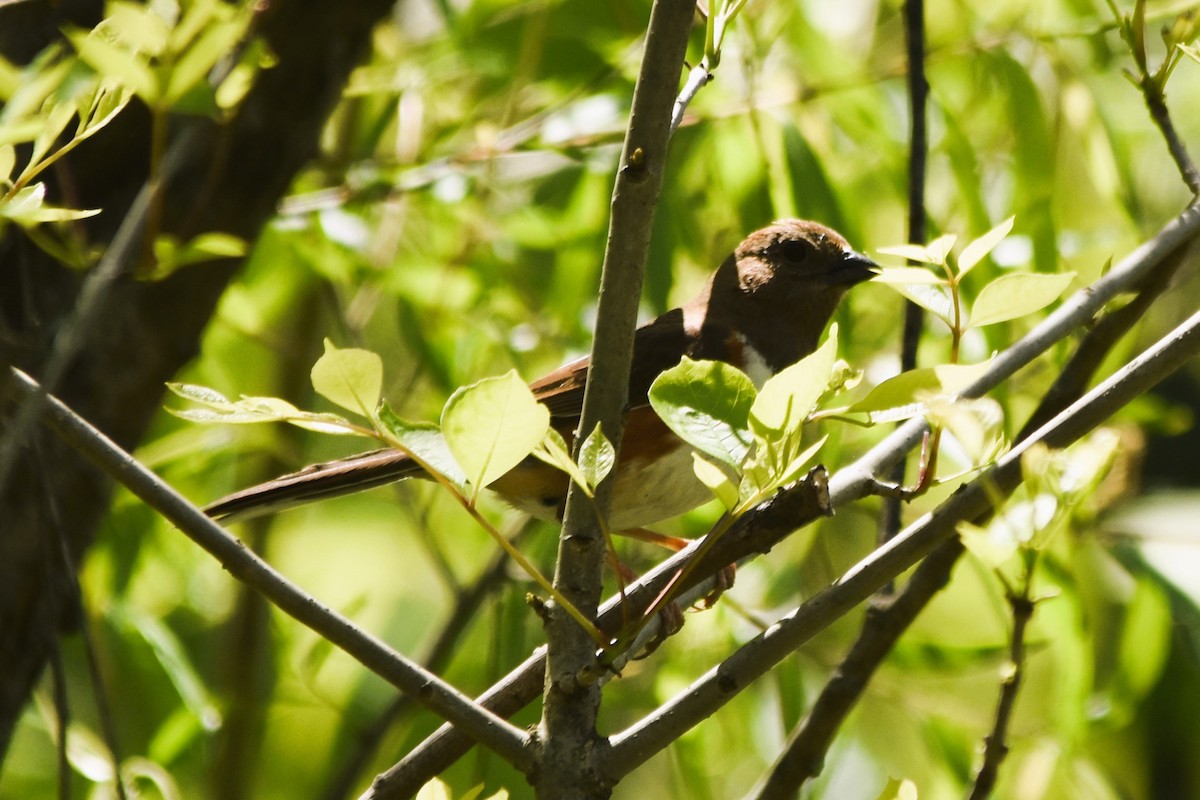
(761, 311)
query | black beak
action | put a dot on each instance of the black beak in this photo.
(851, 269)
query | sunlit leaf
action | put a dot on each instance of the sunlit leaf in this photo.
(1017, 294)
(913, 252)
(897, 789)
(8, 160)
(976, 423)
(492, 425)
(113, 61)
(425, 441)
(935, 299)
(786, 399)
(717, 481)
(904, 389)
(707, 404)
(977, 250)
(995, 544)
(195, 63)
(597, 457)
(907, 275)
(349, 377)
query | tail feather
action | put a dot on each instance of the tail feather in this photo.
(316, 482)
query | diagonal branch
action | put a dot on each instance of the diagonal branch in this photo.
(889, 617)
(633, 747)
(431, 691)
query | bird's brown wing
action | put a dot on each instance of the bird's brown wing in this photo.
(657, 346)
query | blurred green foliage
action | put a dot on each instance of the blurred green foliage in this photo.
(455, 223)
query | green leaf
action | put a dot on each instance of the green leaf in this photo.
(350, 378)
(898, 789)
(8, 160)
(716, 480)
(193, 67)
(933, 298)
(933, 253)
(786, 399)
(707, 404)
(907, 275)
(200, 394)
(1017, 294)
(553, 450)
(994, 545)
(977, 424)
(902, 391)
(597, 457)
(28, 207)
(425, 441)
(112, 61)
(492, 425)
(977, 250)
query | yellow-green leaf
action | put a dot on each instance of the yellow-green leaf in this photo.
(350, 377)
(492, 425)
(1017, 294)
(977, 250)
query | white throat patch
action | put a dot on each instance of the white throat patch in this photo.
(755, 365)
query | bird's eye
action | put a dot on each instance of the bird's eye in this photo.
(795, 251)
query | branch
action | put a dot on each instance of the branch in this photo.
(634, 746)
(1077, 311)
(757, 532)
(996, 746)
(430, 690)
(520, 686)
(888, 618)
(568, 730)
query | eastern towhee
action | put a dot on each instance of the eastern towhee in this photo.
(763, 310)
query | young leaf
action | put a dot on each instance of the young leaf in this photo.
(706, 403)
(907, 275)
(1017, 294)
(425, 441)
(977, 250)
(792, 470)
(787, 399)
(597, 457)
(491, 425)
(716, 480)
(553, 450)
(940, 247)
(8, 160)
(934, 298)
(351, 378)
(902, 390)
(977, 424)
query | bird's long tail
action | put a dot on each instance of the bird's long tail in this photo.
(317, 482)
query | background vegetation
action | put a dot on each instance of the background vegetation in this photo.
(431, 182)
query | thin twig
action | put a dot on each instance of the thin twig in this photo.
(430, 690)
(1161, 115)
(996, 744)
(918, 151)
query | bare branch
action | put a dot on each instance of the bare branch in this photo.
(430, 690)
(568, 729)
